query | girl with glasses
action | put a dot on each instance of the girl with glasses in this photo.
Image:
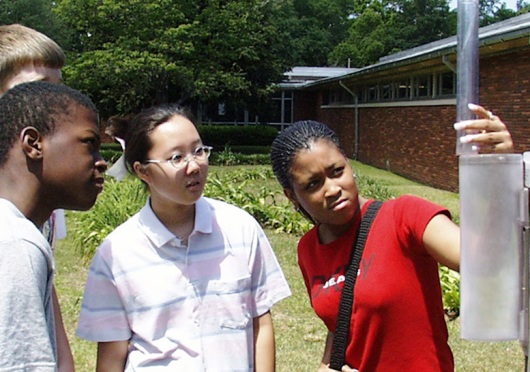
(187, 284)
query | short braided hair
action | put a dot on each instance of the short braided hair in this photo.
(290, 141)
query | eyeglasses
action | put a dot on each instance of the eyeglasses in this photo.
(179, 161)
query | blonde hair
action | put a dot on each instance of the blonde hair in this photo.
(21, 46)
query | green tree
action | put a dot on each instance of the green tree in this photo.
(523, 7)
(135, 53)
(492, 11)
(365, 42)
(382, 27)
(310, 29)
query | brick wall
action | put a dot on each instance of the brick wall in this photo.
(505, 89)
(415, 142)
(419, 142)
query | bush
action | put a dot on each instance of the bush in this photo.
(450, 281)
(228, 158)
(370, 189)
(111, 152)
(264, 205)
(118, 202)
(249, 150)
(110, 155)
(239, 186)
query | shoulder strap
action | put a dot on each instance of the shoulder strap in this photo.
(342, 329)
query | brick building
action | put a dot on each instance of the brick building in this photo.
(398, 114)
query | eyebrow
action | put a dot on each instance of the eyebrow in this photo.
(196, 143)
(94, 133)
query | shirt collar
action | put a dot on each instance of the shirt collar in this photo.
(157, 233)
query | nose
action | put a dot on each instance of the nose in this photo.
(192, 165)
(101, 164)
(332, 189)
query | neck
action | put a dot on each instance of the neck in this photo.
(328, 233)
(24, 193)
(179, 219)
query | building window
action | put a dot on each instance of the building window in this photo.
(326, 97)
(281, 111)
(371, 94)
(403, 89)
(386, 91)
(415, 87)
(422, 86)
(446, 84)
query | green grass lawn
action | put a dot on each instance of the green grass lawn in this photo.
(299, 333)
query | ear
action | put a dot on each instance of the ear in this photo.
(31, 141)
(141, 172)
(292, 197)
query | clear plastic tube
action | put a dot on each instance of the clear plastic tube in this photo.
(490, 197)
(467, 67)
(491, 237)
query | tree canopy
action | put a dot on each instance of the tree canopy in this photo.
(136, 53)
(130, 54)
(381, 27)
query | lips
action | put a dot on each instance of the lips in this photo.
(99, 181)
(339, 204)
(194, 185)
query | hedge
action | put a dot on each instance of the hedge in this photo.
(221, 136)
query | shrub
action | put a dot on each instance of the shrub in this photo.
(111, 152)
(450, 281)
(118, 202)
(228, 158)
(111, 155)
(280, 216)
(369, 188)
(243, 187)
(250, 150)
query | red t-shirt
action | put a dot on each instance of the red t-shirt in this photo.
(397, 320)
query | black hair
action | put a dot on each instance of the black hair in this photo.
(299, 136)
(37, 104)
(138, 130)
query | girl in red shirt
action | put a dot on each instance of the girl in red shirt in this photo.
(397, 321)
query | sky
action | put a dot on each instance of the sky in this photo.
(509, 3)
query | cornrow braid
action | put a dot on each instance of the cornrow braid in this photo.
(290, 141)
(299, 136)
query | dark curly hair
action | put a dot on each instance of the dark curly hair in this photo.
(36, 104)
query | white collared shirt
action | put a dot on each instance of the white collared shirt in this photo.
(186, 308)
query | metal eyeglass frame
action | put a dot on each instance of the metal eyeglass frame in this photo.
(204, 154)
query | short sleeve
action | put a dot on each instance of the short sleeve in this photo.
(269, 285)
(103, 317)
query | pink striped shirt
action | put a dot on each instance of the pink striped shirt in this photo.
(186, 308)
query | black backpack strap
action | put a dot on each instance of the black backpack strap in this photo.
(342, 329)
